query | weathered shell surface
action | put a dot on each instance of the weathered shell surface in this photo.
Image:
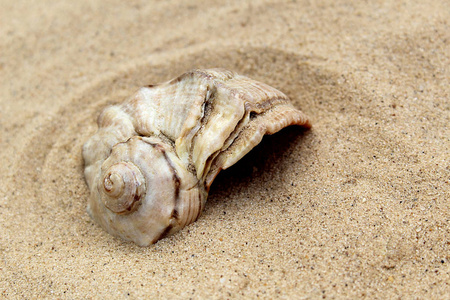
(151, 162)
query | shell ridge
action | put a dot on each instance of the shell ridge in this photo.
(221, 116)
(192, 134)
(193, 122)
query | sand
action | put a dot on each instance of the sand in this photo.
(356, 207)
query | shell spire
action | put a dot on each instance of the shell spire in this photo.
(154, 157)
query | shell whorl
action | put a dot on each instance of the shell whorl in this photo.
(153, 158)
(122, 187)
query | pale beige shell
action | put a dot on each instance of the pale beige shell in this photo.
(153, 158)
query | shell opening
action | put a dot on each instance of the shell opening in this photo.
(122, 187)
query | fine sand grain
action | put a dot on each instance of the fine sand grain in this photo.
(356, 207)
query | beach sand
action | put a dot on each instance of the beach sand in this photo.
(356, 207)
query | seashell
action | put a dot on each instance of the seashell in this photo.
(151, 162)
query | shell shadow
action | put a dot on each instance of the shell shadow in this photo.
(271, 155)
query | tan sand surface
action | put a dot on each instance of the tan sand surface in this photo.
(356, 207)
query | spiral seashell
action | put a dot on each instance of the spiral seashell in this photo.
(151, 162)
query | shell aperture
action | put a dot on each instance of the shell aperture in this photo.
(151, 162)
